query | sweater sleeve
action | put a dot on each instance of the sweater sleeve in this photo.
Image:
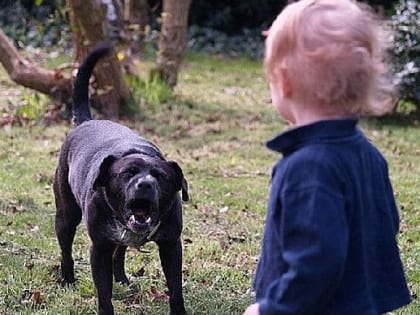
(312, 229)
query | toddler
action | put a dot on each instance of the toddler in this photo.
(329, 243)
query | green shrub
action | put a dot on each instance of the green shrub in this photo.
(38, 24)
(406, 50)
(249, 43)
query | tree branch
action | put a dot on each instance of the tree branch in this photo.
(24, 72)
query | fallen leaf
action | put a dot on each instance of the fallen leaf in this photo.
(156, 295)
(36, 297)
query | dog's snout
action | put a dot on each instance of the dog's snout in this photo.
(145, 187)
(145, 184)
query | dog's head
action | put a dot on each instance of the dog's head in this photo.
(141, 188)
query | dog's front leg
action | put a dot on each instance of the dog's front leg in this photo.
(170, 253)
(119, 262)
(101, 264)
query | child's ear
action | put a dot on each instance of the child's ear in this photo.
(285, 84)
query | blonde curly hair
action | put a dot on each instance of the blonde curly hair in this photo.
(333, 52)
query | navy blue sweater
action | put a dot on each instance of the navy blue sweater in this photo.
(329, 244)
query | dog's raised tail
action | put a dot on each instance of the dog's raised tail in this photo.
(81, 111)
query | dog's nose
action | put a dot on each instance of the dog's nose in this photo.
(144, 186)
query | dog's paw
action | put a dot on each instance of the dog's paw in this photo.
(122, 279)
(67, 279)
(67, 282)
(62, 278)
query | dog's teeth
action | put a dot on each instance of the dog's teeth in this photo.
(149, 219)
(132, 219)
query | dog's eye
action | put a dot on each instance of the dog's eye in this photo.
(129, 172)
(156, 173)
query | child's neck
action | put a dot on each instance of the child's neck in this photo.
(308, 114)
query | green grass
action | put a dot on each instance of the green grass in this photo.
(215, 127)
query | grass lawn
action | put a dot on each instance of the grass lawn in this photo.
(215, 127)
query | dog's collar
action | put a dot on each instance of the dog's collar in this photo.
(107, 200)
(148, 237)
(108, 203)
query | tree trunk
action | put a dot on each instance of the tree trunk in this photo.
(24, 72)
(173, 39)
(119, 12)
(88, 19)
(136, 18)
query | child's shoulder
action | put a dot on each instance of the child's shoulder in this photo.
(310, 164)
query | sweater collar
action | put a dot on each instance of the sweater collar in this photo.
(320, 132)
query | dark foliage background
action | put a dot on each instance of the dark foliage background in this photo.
(231, 28)
(406, 50)
(35, 23)
(232, 17)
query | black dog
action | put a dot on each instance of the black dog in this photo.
(126, 192)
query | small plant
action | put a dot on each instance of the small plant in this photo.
(156, 91)
(31, 109)
(151, 92)
(34, 106)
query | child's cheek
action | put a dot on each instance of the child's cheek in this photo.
(275, 96)
(277, 99)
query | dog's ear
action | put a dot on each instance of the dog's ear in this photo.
(184, 188)
(102, 175)
(181, 182)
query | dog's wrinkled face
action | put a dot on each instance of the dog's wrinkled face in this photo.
(141, 189)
